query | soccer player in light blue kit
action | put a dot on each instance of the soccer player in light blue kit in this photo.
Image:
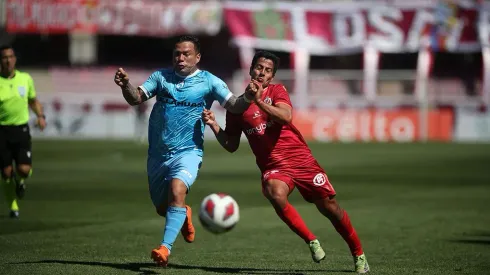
(176, 133)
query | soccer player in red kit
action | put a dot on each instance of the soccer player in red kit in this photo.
(284, 158)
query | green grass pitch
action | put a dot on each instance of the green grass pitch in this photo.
(418, 209)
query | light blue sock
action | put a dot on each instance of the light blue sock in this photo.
(175, 219)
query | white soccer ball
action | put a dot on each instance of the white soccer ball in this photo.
(219, 213)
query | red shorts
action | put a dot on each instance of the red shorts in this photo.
(312, 182)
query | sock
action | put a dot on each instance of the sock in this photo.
(9, 190)
(345, 229)
(20, 178)
(174, 221)
(291, 217)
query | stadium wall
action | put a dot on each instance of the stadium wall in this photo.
(109, 117)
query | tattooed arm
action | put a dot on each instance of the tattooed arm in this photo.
(240, 104)
(133, 96)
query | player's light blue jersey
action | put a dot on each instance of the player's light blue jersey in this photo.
(175, 122)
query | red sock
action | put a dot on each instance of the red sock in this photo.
(291, 217)
(345, 229)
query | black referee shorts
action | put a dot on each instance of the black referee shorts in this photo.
(15, 145)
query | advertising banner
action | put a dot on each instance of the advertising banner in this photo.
(88, 116)
(94, 117)
(122, 17)
(345, 27)
(373, 125)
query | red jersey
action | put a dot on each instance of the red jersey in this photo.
(273, 144)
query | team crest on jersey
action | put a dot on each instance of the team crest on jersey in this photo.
(22, 91)
(320, 179)
(180, 85)
(268, 100)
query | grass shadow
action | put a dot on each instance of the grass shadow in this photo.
(480, 242)
(251, 270)
(135, 267)
(479, 237)
(140, 268)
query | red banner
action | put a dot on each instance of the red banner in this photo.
(123, 17)
(343, 27)
(374, 126)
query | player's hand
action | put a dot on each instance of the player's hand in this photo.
(208, 117)
(121, 78)
(41, 123)
(259, 90)
(250, 91)
(251, 88)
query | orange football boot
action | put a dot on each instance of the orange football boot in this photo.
(160, 255)
(188, 230)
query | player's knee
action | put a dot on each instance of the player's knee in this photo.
(276, 195)
(276, 191)
(7, 172)
(178, 191)
(330, 208)
(24, 170)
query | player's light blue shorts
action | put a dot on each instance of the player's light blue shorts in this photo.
(183, 166)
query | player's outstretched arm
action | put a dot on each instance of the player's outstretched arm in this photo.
(133, 96)
(240, 104)
(232, 103)
(229, 142)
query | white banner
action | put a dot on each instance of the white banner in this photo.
(472, 126)
(89, 117)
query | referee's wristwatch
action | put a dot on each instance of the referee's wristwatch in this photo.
(42, 116)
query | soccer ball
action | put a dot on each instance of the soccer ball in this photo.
(219, 213)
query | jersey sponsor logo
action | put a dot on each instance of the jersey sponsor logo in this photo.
(268, 100)
(186, 173)
(269, 173)
(181, 103)
(259, 128)
(320, 179)
(22, 91)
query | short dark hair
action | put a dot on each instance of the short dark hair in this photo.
(6, 47)
(190, 38)
(266, 55)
